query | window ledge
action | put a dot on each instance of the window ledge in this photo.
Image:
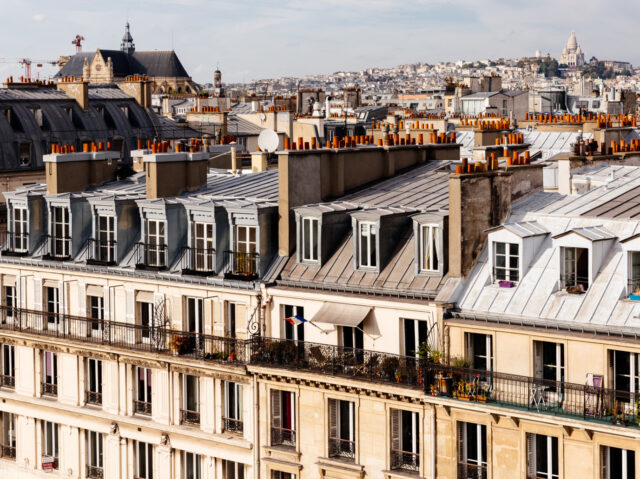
(341, 467)
(306, 262)
(285, 453)
(399, 473)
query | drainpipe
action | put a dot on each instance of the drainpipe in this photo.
(432, 459)
(256, 430)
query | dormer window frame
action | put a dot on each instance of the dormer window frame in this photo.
(432, 234)
(60, 246)
(430, 222)
(310, 250)
(369, 225)
(19, 240)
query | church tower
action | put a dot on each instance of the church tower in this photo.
(127, 44)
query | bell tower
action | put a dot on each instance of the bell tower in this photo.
(127, 44)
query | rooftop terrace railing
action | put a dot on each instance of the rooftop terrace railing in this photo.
(532, 394)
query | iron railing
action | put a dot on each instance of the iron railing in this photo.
(406, 461)
(101, 252)
(7, 381)
(8, 452)
(57, 247)
(232, 425)
(14, 244)
(240, 265)
(94, 397)
(189, 417)
(471, 471)
(48, 389)
(283, 437)
(142, 407)
(343, 448)
(574, 283)
(198, 261)
(95, 472)
(150, 256)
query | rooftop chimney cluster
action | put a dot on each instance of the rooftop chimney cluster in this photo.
(494, 125)
(28, 81)
(132, 78)
(492, 162)
(511, 139)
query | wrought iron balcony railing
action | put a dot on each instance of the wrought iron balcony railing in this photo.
(232, 425)
(57, 248)
(8, 452)
(142, 407)
(242, 266)
(14, 244)
(94, 397)
(189, 417)
(342, 448)
(283, 437)
(95, 472)
(7, 381)
(151, 256)
(198, 261)
(406, 461)
(471, 471)
(48, 389)
(101, 252)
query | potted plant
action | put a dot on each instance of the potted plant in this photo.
(483, 393)
(436, 356)
(635, 294)
(400, 375)
(424, 350)
(506, 284)
(434, 389)
(389, 366)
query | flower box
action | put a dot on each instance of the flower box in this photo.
(464, 397)
(506, 284)
(634, 297)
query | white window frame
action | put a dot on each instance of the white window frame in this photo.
(52, 307)
(230, 323)
(297, 331)
(481, 449)
(633, 282)
(246, 245)
(144, 462)
(538, 360)
(95, 449)
(194, 315)
(186, 390)
(430, 240)
(155, 241)
(94, 375)
(415, 325)
(605, 461)
(368, 230)
(233, 400)
(106, 236)
(193, 460)
(397, 420)
(145, 331)
(203, 246)
(50, 440)
(310, 239)
(60, 218)
(20, 229)
(507, 269)
(532, 456)
(9, 433)
(144, 386)
(564, 261)
(8, 359)
(232, 470)
(9, 293)
(52, 357)
(471, 353)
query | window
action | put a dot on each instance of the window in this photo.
(283, 418)
(49, 445)
(20, 231)
(415, 333)
(506, 261)
(430, 248)
(155, 243)
(96, 311)
(195, 315)
(294, 333)
(191, 465)
(310, 239)
(95, 449)
(8, 377)
(52, 307)
(617, 463)
(142, 401)
(549, 360)
(342, 439)
(245, 239)
(575, 268)
(9, 438)
(282, 475)
(9, 302)
(368, 245)
(244, 258)
(624, 373)
(190, 412)
(232, 420)
(49, 373)
(634, 271)
(542, 457)
(480, 351)
(203, 249)
(144, 460)
(405, 440)
(472, 450)
(232, 470)
(105, 247)
(352, 337)
(230, 323)
(94, 381)
(145, 319)
(61, 243)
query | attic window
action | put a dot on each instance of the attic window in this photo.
(634, 272)
(310, 239)
(506, 261)
(25, 155)
(13, 120)
(575, 269)
(368, 237)
(430, 248)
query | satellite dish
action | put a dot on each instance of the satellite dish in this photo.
(268, 141)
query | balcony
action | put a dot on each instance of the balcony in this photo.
(283, 437)
(142, 407)
(198, 261)
(7, 381)
(48, 389)
(94, 398)
(95, 472)
(189, 417)
(150, 256)
(405, 461)
(8, 452)
(241, 266)
(342, 448)
(232, 425)
(101, 253)
(57, 248)
(471, 471)
(14, 244)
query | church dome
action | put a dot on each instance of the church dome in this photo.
(572, 44)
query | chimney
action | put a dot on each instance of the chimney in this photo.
(139, 87)
(77, 88)
(73, 172)
(171, 174)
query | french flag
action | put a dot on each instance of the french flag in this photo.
(295, 320)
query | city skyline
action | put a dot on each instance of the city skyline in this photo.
(295, 38)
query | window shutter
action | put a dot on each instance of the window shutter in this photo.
(531, 455)
(333, 418)
(469, 348)
(238, 401)
(276, 409)
(462, 453)
(612, 368)
(130, 306)
(489, 352)
(537, 359)
(82, 299)
(603, 462)
(395, 429)
(37, 294)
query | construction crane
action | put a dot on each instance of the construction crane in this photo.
(77, 41)
(26, 64)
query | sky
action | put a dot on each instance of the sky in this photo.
(255, 39)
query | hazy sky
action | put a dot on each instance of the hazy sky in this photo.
(253, 39)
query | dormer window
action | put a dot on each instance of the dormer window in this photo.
(368, 235)
(202, 254)
(60, 240)
(310, 239)
(506, 261)
(155, 245)
(575, 268)
(430, 248)
(19, 240)
(105, 236)
(634, 272)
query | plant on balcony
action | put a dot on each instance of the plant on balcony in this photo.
(423, 351)
(460, 362)
(436, 356)
(482, 394)
(182, 344)
(400, 375)
(389, 366)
